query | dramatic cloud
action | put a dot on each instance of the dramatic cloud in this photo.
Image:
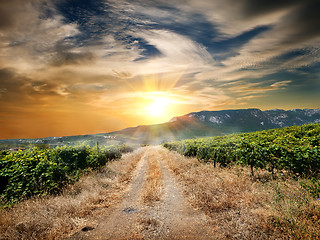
(62, 60)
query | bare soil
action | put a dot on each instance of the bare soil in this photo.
(169, 217)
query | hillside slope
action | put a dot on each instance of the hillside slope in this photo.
(192, 125)
(215, 123)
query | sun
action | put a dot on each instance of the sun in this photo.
(158, 106)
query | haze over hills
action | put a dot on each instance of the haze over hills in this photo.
(193, 125)
(213, 123)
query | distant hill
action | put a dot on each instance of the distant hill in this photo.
(214, 123)
(192, 125)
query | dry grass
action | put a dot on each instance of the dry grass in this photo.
(59, 216)
(153, 188)
(239, 208)
(296, 214)
(243, 209)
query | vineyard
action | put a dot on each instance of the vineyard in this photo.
(39, 172)
(294, 149)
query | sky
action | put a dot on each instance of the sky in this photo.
(70, 67)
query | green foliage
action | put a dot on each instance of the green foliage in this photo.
(30, 172)
(42, 171)
(294, 149)
(313, 186)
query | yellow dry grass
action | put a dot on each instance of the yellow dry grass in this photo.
(153, 188)
(244, 209)
(55, 217)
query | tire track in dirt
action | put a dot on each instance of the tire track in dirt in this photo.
(170, 218)
(122, 220)
(173, 217)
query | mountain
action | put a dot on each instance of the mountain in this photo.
(213, 123)
(192, 125)
(245, 120)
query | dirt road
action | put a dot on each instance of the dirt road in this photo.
(136, 217)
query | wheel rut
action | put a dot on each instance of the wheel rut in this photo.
(170, 217)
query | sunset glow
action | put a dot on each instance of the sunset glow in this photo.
(158, 107)
(80, 67)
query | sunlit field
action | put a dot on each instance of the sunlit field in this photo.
(181, 119)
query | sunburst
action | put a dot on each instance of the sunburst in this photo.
(158, 106)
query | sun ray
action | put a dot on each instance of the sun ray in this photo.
(158, 106)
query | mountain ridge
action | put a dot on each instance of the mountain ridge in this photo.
(213, 123)
(193, 125)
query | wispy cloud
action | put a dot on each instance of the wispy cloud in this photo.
(103, 54)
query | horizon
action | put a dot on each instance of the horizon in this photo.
(128, 127)
(76, 67)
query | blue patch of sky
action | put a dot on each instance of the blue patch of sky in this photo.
(96, 18)
(232, 45)
(148, 50)
(77, 10)
(310, 77)
(46, 11)
(304, 80)
(310, 70)
(200, 30)
(290, 55)
(91, 17)
(300, 82)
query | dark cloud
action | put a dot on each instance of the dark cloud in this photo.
(18, 89)
(11, 81)
(14, 91)
(63, 58)
(253, 8)
(300, 23)
(8, 11)
(6, 18)
(12, 11)
(304, 22)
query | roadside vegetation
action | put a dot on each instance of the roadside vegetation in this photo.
(262, 185)
(42, 171)
(293, 149)
(74, 209)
